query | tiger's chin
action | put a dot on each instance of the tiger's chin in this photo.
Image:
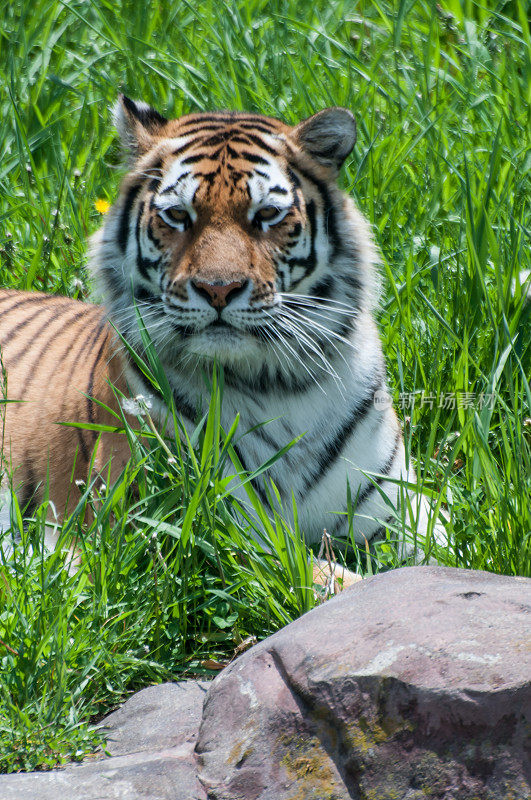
(226, 345)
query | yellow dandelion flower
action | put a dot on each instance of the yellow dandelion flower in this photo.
(102, 206)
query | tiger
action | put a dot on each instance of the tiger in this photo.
(234, 242)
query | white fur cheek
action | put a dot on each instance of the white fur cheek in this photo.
(147, 247)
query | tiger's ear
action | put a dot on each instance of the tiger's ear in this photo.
(136, 123)
(328, 136)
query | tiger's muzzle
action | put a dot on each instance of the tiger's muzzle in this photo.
(219, 294)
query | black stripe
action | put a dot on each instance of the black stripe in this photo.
(259, 126)
(278, 190)
(345, 326)
(28, 299)
(32, 369)
(329, 212)
(197, 129)
(342, 521)
(171, 188)
(197, 119)
(29, 498)
(242, 137)
(308, 263)
(143, 295)
(353, 282)
(262, 434)
(181, 404)
(87, 344)
(295, 232)
(155, 179)
(157, 164)
(183, 147)
(323, 288)
(113, 282)
(35, 335)
(150, 234)
(384, 471)
(236, 130)
(265, 382)
(248, 390)
(148, 117)
(208, 177)
(262, 145)
(232, 152)
(127, 205)
(331, 450)
(294, 179)
(255, 484)
(239, 137)
(213, 156)
(194, 159)
(228, 117)
(218, 138)
(90, 386)
(12, 332)
(248, 120)
(12, 296)
(144, 265)
(255, 159)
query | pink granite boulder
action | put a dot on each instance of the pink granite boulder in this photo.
(413, 684)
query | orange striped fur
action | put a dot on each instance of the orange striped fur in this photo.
(57, 355)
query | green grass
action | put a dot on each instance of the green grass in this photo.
(169, 576)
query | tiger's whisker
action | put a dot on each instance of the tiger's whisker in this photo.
(317, 299)
(309, 325)
(323, 328)
(307, 369)
(305, 340)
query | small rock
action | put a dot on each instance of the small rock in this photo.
(147, 721)
(151, 739)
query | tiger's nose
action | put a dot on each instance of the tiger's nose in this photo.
(218, 294)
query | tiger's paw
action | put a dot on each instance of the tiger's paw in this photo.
(332, 577)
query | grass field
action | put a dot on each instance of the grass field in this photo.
(171, 582)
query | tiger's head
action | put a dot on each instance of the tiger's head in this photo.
(233, 240)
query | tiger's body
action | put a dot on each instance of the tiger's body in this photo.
(58, 354)
(233, 240)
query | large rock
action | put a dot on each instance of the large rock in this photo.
(413, 684)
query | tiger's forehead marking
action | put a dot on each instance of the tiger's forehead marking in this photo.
(272, 185)
(229, 155)
(179, 185)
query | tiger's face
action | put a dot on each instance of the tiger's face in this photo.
(232, 237)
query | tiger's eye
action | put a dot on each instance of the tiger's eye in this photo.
(178, 215)
(266, 214)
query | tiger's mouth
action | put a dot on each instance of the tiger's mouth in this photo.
(226, 343)
(222, 326)
(219, 324)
